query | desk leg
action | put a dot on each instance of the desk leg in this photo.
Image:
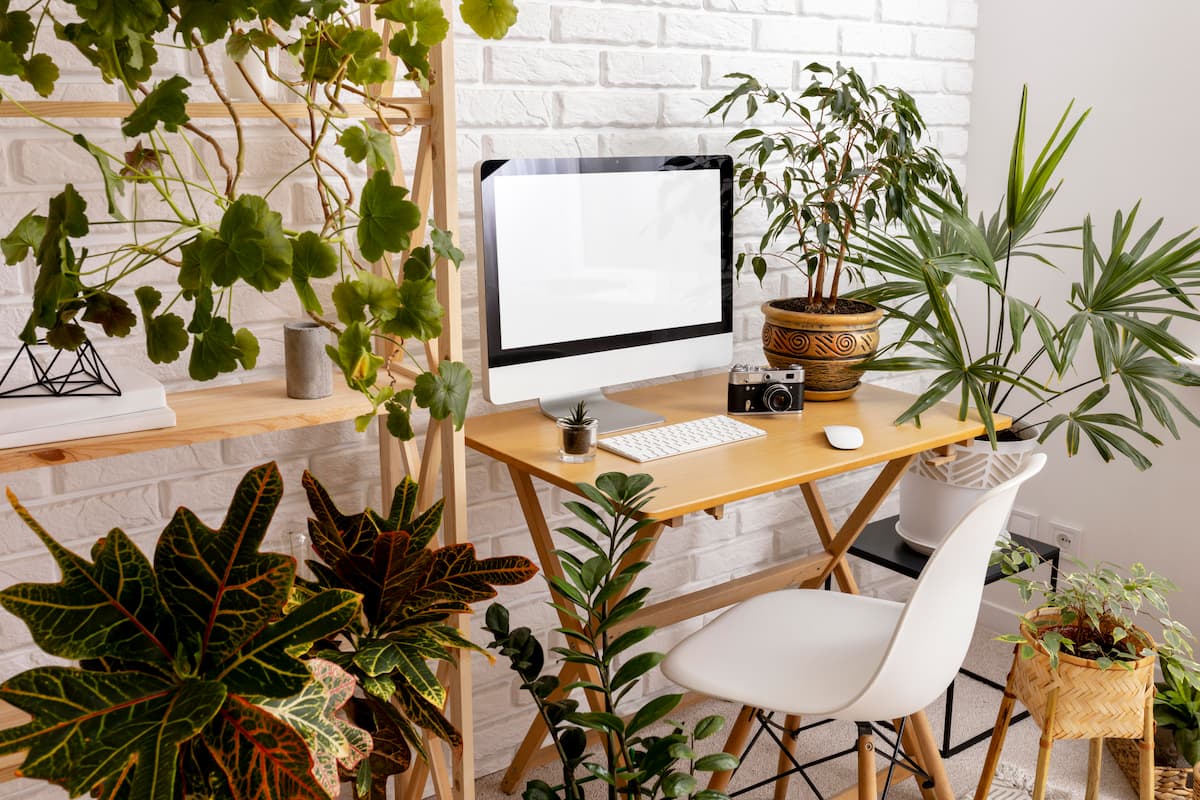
(543, 542)
(837, 545)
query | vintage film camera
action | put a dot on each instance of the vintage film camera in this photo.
(766, 390)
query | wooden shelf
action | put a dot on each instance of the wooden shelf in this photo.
(419, 108)
(202, 415)
(10, 717)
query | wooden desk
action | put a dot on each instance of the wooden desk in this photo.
(793, 453)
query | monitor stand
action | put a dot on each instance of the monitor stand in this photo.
(611, 415)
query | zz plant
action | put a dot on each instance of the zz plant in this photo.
(410, 591)
(189, 682)
(174, 191)
(643, 756)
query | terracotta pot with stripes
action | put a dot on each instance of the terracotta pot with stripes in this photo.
(827, 345)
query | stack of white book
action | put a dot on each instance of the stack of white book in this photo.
(142, 405)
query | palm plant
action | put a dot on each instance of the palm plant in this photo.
(1121, 306)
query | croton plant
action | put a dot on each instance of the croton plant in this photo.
(189, 682)
(410, 592)
(174, 189)
(211, 671)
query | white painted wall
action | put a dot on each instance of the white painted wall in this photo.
(1135, 65)
(572, 78)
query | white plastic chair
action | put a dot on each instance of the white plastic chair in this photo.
(808, 652)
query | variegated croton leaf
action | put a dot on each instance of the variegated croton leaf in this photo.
(173, 657)
(410, 590)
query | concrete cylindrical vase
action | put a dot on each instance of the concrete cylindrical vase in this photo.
(309, 370)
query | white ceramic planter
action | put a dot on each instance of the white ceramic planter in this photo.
(934, 497)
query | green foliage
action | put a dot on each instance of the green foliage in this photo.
(1098, 609)
(579, 415)
(1129, 290)
(411, 591)
(189, 681)
(1177, 707)
(221, 239)
(597, 592)
(841, 157)
(491, 19)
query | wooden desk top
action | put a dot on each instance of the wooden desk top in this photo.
(793, 452)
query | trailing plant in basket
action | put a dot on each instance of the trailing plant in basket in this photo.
(645, 755)
(176, 192)
(1016, 356)
(189, 682)
(843, 157)
(1102, 612)
(410, 590)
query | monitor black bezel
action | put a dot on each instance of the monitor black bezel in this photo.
(497, 355)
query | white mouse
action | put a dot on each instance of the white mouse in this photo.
(844, 437)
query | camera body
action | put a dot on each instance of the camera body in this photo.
(766, 390)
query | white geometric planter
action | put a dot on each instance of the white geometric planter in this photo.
(934, 497)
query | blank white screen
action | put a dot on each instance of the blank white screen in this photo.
(583, 256)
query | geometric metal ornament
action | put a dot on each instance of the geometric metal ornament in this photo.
(78, 374)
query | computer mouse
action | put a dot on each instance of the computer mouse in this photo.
(844, 437)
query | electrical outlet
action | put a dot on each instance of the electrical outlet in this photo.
(1023, 524)
(1068, 538)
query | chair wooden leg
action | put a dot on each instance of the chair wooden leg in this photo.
(998, 734)
(866, 764)
(1045, 744)
(913, 748)
(789, 748)
(1095, 753)
(931, 758)
(734, 744)
(1146, 760)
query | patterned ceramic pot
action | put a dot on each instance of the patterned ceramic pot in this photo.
(828, 346)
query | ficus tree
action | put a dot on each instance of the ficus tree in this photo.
(831, 162)
(173, 192)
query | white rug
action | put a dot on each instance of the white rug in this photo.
(1012, 783)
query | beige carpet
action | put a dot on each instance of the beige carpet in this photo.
(975, 709)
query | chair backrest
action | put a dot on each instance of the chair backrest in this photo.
(936, 626)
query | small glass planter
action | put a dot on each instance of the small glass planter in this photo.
(577, 443)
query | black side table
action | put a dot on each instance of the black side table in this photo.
(881, 545)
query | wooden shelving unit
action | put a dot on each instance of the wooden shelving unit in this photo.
(246, 409)
(202, 415)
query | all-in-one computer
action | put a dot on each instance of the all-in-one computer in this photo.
(600, 271)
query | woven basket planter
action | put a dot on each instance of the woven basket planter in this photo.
(1093, 703)
(1170, 783)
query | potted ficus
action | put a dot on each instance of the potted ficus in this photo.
(841, 158)
(578, 431)
(1085, 662)
(196, 225)
(1049, 362)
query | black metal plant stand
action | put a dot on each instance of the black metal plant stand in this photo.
(79, 373)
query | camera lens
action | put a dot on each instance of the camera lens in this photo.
(777, 398)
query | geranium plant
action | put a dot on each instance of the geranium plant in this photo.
(174, 192)
(189, 681)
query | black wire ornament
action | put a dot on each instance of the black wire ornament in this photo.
(80, 373)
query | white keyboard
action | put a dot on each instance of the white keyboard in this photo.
(682, 437)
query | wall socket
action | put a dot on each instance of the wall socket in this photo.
(1069, 539)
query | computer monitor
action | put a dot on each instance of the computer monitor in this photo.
(600, 271)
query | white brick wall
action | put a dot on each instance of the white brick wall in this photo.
(574, 78)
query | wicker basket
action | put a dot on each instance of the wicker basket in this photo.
(1092, 702)
(1170, 783)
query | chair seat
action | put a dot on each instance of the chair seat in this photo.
(799, 651)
